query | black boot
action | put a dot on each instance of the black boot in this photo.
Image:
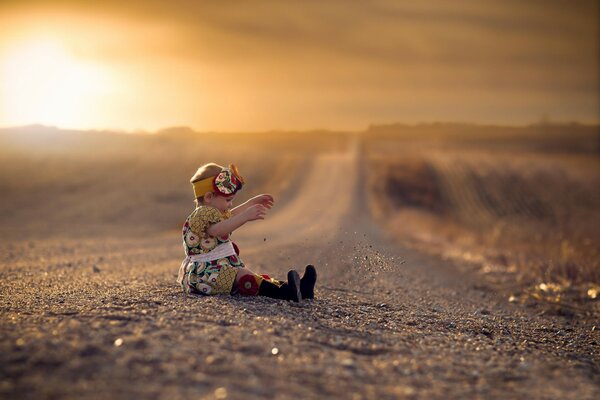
(307, 283)
(289, 290)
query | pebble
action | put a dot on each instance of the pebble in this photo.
(487, 332)
(347, 362)
(221, 393)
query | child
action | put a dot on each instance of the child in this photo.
(212, 264)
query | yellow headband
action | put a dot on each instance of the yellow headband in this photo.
(204, 186)
(227, 182)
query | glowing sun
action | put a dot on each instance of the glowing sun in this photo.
(42, 82)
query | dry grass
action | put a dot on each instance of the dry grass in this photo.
(523, 215)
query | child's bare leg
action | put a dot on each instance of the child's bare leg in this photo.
(247, 282)
(240, 273)
(251, 284)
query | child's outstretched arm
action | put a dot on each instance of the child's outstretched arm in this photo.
(251, 213)
(265, 200)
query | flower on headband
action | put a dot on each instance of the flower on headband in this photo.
(228, 181)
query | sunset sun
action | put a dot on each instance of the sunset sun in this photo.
(42, 82)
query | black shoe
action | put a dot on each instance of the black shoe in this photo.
(307, 283)
(289, 290)
(293, 284)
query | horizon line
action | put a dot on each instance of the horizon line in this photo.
(316, 129)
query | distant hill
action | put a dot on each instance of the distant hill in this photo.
(572, 137)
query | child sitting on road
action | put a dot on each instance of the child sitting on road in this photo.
(212, 264)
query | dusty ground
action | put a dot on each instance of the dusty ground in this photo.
(101, 317)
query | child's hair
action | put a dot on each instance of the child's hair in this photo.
(205, 171)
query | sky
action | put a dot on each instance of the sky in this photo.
(296, 65)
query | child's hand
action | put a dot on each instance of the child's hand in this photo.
(265, 200)
(257, 211)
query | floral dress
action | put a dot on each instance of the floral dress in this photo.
(206, 277)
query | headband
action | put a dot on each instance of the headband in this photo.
(226, 183)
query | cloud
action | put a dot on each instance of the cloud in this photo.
(438, 58)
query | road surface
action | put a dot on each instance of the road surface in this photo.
(103, 318)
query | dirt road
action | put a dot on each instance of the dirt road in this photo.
(103, 318)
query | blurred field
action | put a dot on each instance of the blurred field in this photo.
(67, 184)
(518, 204)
